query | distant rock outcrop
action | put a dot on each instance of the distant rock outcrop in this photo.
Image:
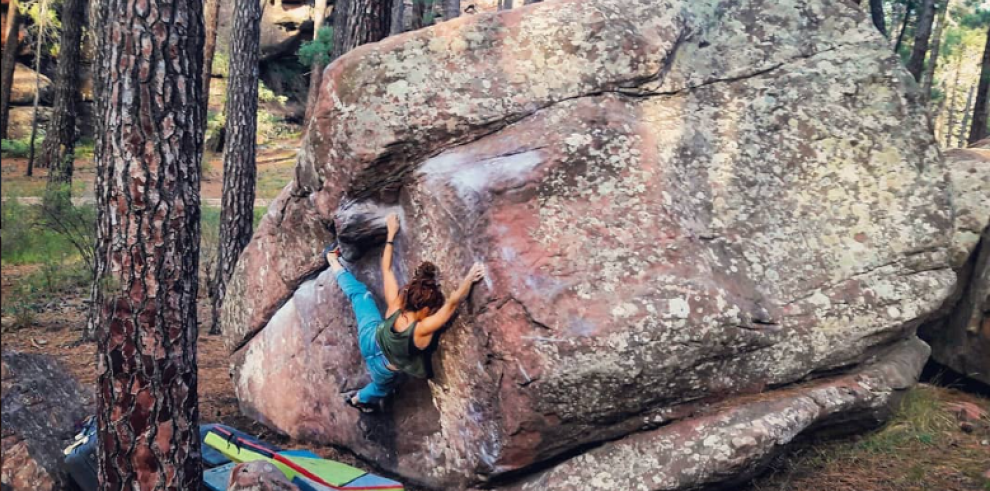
(41, 405)
(711, 222)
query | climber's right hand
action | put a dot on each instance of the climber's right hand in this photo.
(392, 222)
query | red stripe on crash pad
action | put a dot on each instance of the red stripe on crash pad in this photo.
(309, 475)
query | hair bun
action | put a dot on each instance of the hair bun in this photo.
(427, 271)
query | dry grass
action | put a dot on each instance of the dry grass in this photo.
(921, 449)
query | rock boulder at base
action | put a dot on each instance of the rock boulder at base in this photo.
(960, 332)
(23, 89)
(258, 476)
(41, 405)
(681, 204)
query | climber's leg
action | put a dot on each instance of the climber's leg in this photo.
(365, 311)
(383, 380)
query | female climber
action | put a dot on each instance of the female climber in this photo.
(415, 313)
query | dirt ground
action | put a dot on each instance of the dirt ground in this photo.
(276, 163)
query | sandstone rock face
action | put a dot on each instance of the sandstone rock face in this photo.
(23, 89)
(40, 408)
(960, 334)
(679, 203)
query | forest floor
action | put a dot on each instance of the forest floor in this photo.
(276, 164)
(923, 448)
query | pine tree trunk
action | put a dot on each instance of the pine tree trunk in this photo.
(904, 24)
(239, 168)
(929, 77)
(964, 123)
(418, 13)
(37, 85)
(60, 139)
(358, 22)
(316, 71)
(979, 129)
(397, 25)
(8, 63)
(451, 9)
(211, 14)
(148, 159)
(951, 121)
(922, 34)
(876, 13)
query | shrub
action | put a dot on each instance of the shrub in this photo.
(15, 148)
(317, 50)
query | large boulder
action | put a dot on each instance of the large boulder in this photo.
(21, 119)
(680, 203)
(23, 89)
(960, 332)
(40, 407)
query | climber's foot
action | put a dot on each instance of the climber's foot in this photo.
(351, 399)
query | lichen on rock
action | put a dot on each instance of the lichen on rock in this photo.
(680, 204)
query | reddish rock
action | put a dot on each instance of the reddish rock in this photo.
(40, 408)
(678, 202)
(967, 411)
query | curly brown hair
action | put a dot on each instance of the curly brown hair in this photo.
(424, 290)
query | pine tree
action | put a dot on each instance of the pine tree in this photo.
(239, 166)
(148, 159)
(922, 35)
(60, 137)
(9, 63)
(929, 76)
(978, 130)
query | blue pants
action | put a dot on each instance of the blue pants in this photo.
(383, 380)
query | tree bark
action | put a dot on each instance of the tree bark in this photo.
(418, 14)
(316, 71)
(8, 63)
(239, 168)
(964, 123)
(951, 120)
(876, 13)
(979, 129)
(451, 9)
(60, 139)
(37, 85)
(929, 77)
(398, 17)
(922, 34)
(904, 24)
(358, 22)
(211, 15)
(148, 159)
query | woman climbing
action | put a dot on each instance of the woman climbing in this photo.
(414, 314)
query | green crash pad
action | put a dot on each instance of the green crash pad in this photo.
(303, 462)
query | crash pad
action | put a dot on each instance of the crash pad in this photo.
(239, 446)
(216, 479)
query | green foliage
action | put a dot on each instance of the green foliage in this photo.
(210, 240)
(85, 148)
(15, 148)
(268, 95)
(318, 50)
(221, 64)
(33, 235)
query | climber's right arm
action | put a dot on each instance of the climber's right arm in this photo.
(388, 277)
(433, 323)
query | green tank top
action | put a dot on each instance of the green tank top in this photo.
(399, 347)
